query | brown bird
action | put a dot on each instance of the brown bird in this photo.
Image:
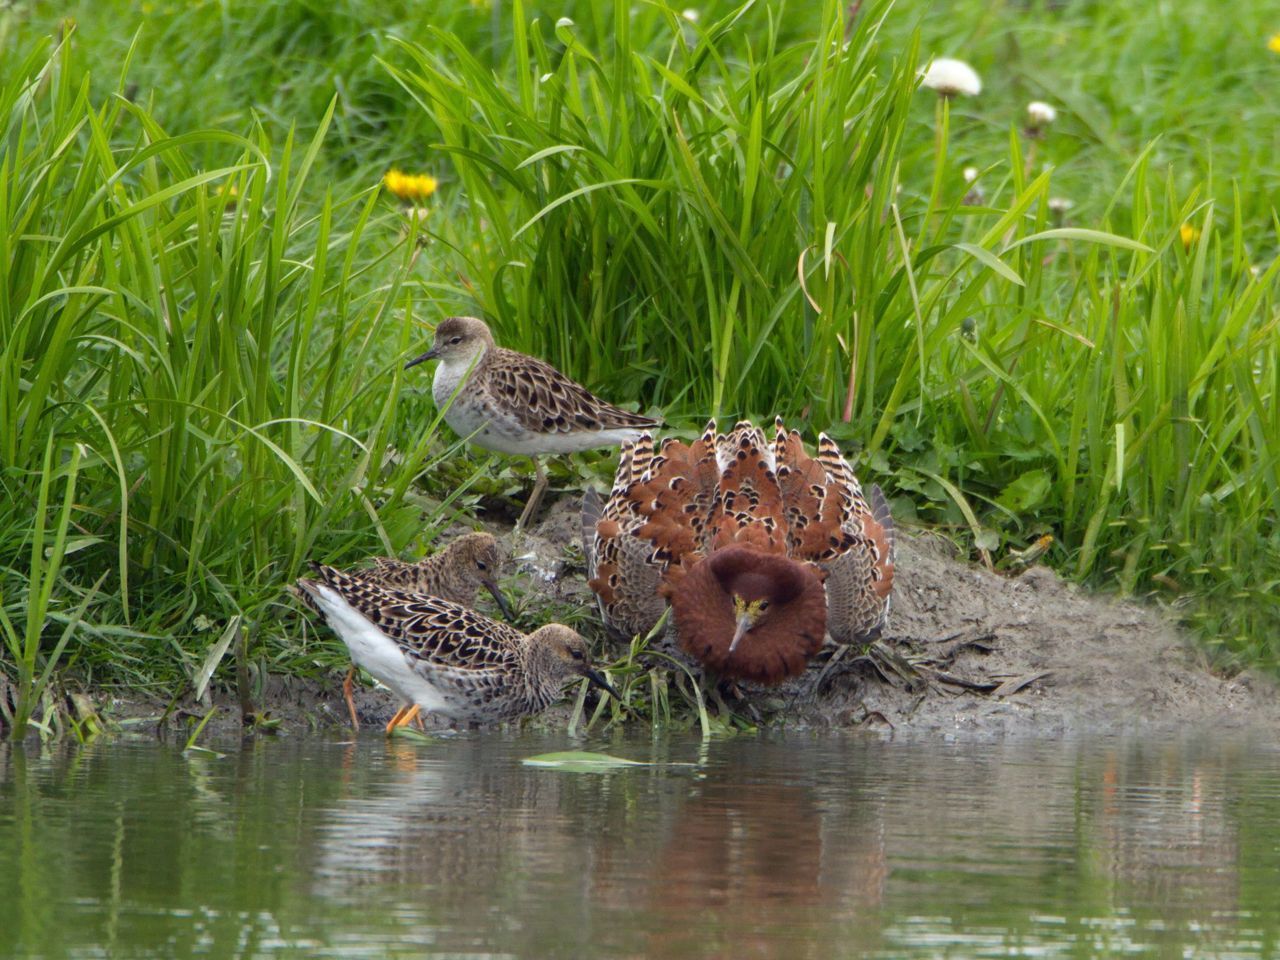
(456, 574)
(513, 403)
(446, 659)
(759, 549)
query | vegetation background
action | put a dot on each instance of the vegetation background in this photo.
(725, 211)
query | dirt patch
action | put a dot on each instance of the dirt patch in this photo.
(1043, 656)
(967, 652)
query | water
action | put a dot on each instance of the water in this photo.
(762, 847)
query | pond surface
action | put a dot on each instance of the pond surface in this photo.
(792, 846)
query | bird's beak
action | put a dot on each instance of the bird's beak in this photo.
(429, 355)
(744, 624)
(596, 678)
(492, 587)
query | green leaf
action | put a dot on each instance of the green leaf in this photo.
(989, 259)
(548, 152)
(580, 761)
(1027, 492)
(1088, 236)
(986, 539)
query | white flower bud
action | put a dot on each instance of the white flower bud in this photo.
(1040, 114)
(949, 77)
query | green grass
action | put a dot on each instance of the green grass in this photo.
(750, 214)
(210, 362)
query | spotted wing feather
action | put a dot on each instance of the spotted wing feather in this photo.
(860, 579)
(748, 506)
(676, 499)
(544, 400)
(428, 629)
(395, 574)
(618, 567)
(814, 502)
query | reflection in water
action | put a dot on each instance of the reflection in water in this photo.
(756, 848)
(745, 867)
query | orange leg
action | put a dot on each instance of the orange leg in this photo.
(351, 704)
(405, 716)
(413, 713)
(396, 720)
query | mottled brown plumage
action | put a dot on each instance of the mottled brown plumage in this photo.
(760, 549)
(513, 403)
(445, 658)
(456, 573)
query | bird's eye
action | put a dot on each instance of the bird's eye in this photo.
(481, 565)
(576, 654)
(764, 605)
(455, 339)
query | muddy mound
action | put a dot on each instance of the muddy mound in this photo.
(1033, 652)
(968, 649)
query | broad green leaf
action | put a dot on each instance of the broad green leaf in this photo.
(1026, 492)
(580, 761)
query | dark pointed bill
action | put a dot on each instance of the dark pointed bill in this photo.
(501, 601)
(422, 358)
(597, 679)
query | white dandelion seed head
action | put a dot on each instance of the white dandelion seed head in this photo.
(1060, 205)
(949, 77)
(690, 14)
(970, 174)
(1041, 114)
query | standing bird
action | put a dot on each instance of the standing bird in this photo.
(455, 573)
(506, 401)
(758, 549)
(441, 657)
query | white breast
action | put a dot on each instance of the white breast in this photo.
(448, 376)
(377, 653)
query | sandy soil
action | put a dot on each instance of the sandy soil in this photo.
(1044, 655)
(967, 653)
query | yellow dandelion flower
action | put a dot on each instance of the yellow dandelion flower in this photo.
(229, 191)
(409, 186)
(1273, 43)
(1189, 235)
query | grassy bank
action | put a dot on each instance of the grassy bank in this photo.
(747, 212)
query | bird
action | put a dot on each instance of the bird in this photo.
(516, 404)
(455, 573)
(442, 657)
(758, 549)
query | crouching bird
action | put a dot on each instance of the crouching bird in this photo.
(759, 549)
(443, 658)
(455, 573)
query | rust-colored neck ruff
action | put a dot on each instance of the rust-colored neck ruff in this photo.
(786, 632)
